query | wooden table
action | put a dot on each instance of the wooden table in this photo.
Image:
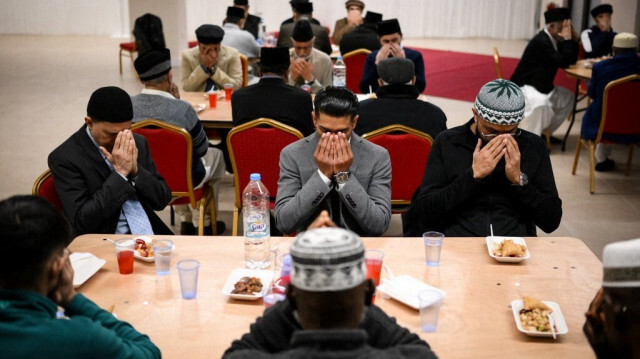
(219, 117)
(580, 71)
(475, 319)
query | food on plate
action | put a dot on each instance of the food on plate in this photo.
(247, 285)
(535, 315)
(508, 248)
(143, 248)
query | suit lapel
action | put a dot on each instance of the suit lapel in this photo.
(91, 153)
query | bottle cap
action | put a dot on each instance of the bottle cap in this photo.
(254, 177)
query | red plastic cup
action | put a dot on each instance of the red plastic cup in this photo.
(124, 254)
(373, 259)
(213, 99)
(228, 90)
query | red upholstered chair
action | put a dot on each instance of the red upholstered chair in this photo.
(620, 116)
(254, 147)
(171, 148)
(409, 150)
(44, 188)
(127, 48)
(354, 62)
(193, 44)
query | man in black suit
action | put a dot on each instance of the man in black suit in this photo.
(303, 11)
(294, 4)
(272, 97)
(365, 36)
(104, 174)
(251, 22)
(556, 46)
(397, 102)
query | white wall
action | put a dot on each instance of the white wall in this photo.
(65, 17)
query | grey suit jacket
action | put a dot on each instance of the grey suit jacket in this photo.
(365, 198)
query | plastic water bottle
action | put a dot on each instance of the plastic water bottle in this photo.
(339, 73)
(261, 32)
(255, 204)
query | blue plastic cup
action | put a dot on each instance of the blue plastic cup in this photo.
(188, 271)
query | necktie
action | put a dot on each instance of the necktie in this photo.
(136, 216)
(335, 204)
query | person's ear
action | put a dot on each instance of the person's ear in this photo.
(475, 114)
(89, 121)
(354, 121)
(290, 293)
(369, 291)
(413, 81)
(53, 269)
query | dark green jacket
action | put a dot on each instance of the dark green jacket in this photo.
(29, 329)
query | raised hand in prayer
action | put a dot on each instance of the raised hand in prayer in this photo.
(324, 155)
(343, 156)
(396, 50)
(124, 156)
(208, 58)
(174, 90)
(486, 158)
(383, 53)
(354, 17)
(323, 220)
(62, 291)
(512, 160)
(567, 30)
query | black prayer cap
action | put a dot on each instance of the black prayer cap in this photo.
(233, 11)
(556, 14)
(240, 2)
(302, 31)
(602, 8)
(295, 3)
(210, 34)
(153, 64)
(274, 56)
(388, 27)
(396, 71)
(304, 8)
(372, 17)
(110, 104)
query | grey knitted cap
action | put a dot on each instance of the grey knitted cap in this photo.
(500, 102)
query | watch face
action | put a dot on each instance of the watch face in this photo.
(342, 177)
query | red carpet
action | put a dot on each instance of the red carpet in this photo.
(459, 75)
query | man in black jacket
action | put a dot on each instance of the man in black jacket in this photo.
(397, 102)
(272, 97)
(365, 36)
(328, 313)
(556, 46)
(104, 173)
(487, 172)
(251, 22)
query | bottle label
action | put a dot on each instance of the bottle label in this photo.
(256, 226)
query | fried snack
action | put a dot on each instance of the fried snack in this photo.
(535, 315)
(531, 303)
(508, 248)
(247, 285)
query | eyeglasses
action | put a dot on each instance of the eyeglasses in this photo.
(515, 133)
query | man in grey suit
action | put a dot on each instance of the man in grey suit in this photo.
(303, 12)
(335, 170)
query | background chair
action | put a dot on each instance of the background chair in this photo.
(409, 150)
(254, 147)
(354, 62)
(245, 70)
(44, 188)
(620, 116)
(126, 48)
(172, 152)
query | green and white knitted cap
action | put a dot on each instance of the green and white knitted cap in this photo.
(500, 102)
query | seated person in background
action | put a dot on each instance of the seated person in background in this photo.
(346, 24)
(160, 100)
(104, 174)
(391, 42)
(364, 36)
(210, 66)
(303, 12)
(487, 172)
(598, 40)
(237, 38)
(397, 102)
(309, 66)
(328, 313)
(294, 4)
(36, 278)
(613, 319)
(251, 22)
(554, 47)
(625, 62)
(271, 97)
(334, 169)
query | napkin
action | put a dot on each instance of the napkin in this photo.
(405, 289)
(85, 265)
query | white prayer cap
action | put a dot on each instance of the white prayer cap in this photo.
(621, 262)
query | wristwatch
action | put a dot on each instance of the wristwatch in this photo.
(341, 177)
(310, 82)
(523, 180)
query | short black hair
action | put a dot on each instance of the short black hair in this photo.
(31, 231)
(336, 102)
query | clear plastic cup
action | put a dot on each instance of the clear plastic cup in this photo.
(162, 252)
(188, 271)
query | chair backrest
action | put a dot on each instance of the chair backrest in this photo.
(43, 187)
(620, 107)
(496, 61)
(354, 62)
(171, 148)
(245, 70)
(409, 150)
(192, 44)
(254, 147)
